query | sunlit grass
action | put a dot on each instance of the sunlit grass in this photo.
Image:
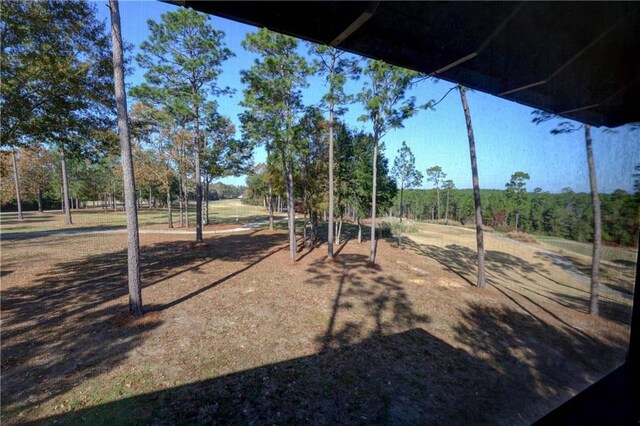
(608, 253)
(220, 212)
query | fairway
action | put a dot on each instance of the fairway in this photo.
(612, 254)
(234, 317)
(221, 212)
(325, 214)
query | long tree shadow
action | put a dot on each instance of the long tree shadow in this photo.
(71, 323)
(513, 275)
(362, 287)
(542, 365)
(75, 230)
(509, 370)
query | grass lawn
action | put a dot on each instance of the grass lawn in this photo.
(221, 212)
(235, 333)
(609, 253)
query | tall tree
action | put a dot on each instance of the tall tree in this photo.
(568, 127)
(57, 79)
(313, 168)
(257, 128)
(405, 172)
(385, 104)
(435, 175)
(183, 58)
(273, 94)
(223, 154)
(354, 157)
(336, 68)
(476, 188)
(160, 132)
(16, 182)
(133, 242)
(37, 166)
(517, 192)
(447, 185)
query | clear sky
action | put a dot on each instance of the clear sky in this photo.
(506, 139)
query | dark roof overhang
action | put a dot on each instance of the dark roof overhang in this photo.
(580, 60)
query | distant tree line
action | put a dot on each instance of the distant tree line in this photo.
(95, 183)
(566, 214)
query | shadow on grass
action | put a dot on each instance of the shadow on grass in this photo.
(29, 218)
(509, 370)
(72, 323)
(382, 296)
(230, 219)
(511, 275)
(71, 230)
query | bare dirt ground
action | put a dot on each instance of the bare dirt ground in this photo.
(235, 333)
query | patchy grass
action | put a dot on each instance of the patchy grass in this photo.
(235, 333)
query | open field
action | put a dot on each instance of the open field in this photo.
(222, 212)
(235, 333)
(609, 253)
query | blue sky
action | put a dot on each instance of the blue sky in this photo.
(506, 140)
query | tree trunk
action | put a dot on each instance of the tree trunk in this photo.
(597, 225)
(196, 137)
(330, 225)
(304, 230)
(401, 191)
(291, 213)
(270, 200)
(359, 231)
(169, 214)
(476, 189)
(438, 202)
(133, 243)
(181, 201)
(517, 219)
(40, 203)
(374, 195)
(65, 187)
(186, 207)
(446, 210)
(206, 201)
(16, 182)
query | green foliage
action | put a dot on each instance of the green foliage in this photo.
(183, 58)
(313, 169)
(516, 194)
(223, 154)
(57, 76)
(337, 69)
(354, 158)
(272, 93)
(384, 97)
(567, 214)
(404, 168)
(435, 175)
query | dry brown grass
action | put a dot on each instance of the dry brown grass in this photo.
(235, 333)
